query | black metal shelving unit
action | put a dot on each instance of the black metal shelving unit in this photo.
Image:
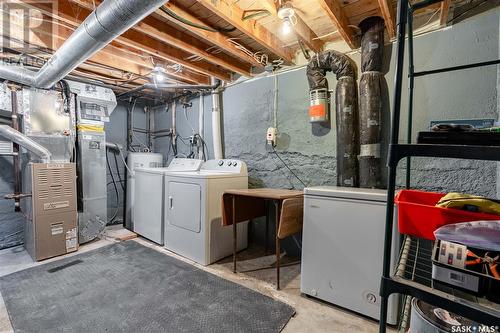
(412, 277)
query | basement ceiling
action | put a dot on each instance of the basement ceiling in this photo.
(198, 39)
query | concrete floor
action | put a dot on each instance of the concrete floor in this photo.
(312, 315)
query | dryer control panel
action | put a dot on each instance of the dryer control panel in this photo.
(185, 164)
(225, 165)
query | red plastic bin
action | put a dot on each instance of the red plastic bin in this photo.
(418, 215)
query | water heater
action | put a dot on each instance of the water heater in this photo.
(137, 160)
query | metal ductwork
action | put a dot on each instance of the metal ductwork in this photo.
(17, 137)
(345, 105)
(370, 101)
(108, 21)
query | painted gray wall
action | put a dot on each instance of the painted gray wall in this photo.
(310, 152)
(455, 95)
(116, 132)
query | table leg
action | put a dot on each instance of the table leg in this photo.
(234, 234)
(278, 250)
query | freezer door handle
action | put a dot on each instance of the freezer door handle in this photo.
(170, 202)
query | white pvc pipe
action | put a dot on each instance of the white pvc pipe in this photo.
(201, 116)
(216, 125)
(174, 127)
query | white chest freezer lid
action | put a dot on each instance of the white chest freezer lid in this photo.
(347, 193)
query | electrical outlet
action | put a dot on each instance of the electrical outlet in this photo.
(272, 133)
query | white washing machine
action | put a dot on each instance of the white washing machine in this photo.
(193, 210)
(342, 248)
(134, 161)
(148, 213)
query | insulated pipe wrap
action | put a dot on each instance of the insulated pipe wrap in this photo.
(328, 61)
(347, 132)
(346, 110)
(370, 101)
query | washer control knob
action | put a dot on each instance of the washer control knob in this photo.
(235, 164)
(221, 163)
(229, 163)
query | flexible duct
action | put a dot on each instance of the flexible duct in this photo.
(216, 121)
(108, 21)
(17, 137)
(370, 101)
(345, 109)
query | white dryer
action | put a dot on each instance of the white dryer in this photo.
(193, 210)
(148, 212)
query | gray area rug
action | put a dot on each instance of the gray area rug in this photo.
(128, 287)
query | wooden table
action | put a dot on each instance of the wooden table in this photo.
(245, 204)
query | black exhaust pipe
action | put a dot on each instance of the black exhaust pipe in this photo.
(370, 101)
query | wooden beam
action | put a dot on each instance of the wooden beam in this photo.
(445, 9)
(337, 15)
(109, 56)
(216, 38)
(156, 28)
(301, 29)
(140, 42)
(232, 14)
(119, 53)
(389, 17)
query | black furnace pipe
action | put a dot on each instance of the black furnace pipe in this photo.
(370, 101)
(346, 109)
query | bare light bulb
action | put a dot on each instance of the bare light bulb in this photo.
(287, 26)
(159, 77)
(158, 74)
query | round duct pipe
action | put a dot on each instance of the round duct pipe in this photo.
(370, 101)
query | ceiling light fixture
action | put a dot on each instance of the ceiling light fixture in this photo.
(287, 14)
(158, 74)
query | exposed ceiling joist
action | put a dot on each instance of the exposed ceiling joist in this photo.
(337, 15)
(301, 29)
(445, 9)
(144, 43)
(117, 61)
(158, 29)
(216, 38)
(233, 14)
(66, 15)
(389, 17)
